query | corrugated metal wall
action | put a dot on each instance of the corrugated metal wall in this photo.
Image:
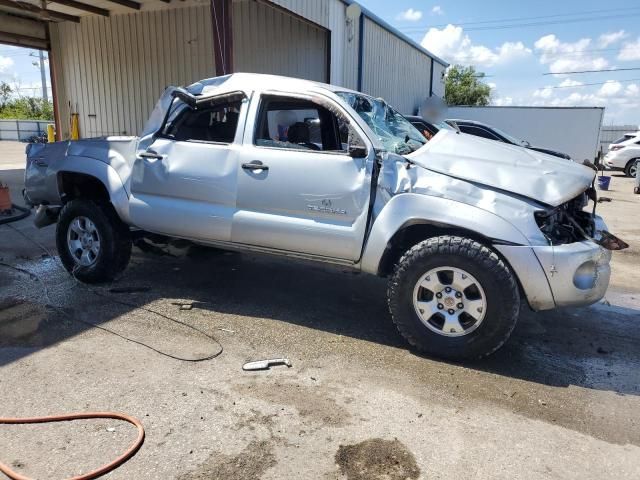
(115, 68)
(330, 14)
(268, 39)
(394, 70)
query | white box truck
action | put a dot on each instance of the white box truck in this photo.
(571, 130)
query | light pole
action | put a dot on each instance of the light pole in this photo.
(43, 73)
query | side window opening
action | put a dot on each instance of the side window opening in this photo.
(216, 122)
(302, 125)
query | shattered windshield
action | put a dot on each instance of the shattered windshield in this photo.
(394, 131)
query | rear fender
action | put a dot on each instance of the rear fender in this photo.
(105, 174)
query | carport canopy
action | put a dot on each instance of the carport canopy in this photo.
(24, 23)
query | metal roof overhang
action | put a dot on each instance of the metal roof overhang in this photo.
(24, 23)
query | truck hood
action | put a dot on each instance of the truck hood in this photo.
(544, 178)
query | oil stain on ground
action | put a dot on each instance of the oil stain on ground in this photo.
(250, 464)
(377, 459)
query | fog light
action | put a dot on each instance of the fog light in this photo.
(586, 276)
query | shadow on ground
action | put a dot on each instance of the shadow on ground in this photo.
(593, 347)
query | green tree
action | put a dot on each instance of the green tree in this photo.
(464, 86)
(25, 108)
(5, 93)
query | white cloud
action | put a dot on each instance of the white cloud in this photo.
(610, 38)
(567, 82)
(565, 57)
(437, 10)
(632, 90)
(451, 43)
(492, 85)
(409, 15)
(503, 101)
(545, 92)
(630, 51)
(621, 103)
(5, 63)
(610, 89)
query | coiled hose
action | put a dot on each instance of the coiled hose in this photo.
(131, 451)
(24, 213)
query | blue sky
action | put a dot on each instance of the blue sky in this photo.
(514, 59)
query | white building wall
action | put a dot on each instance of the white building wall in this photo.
(113, 69)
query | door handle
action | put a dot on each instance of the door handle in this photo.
(41, 163)
(255, 165)
(151, 154)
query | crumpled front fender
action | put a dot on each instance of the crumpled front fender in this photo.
(410, 208)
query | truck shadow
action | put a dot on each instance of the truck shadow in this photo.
(593, 347)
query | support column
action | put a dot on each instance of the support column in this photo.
(54, 89)
(222, 36)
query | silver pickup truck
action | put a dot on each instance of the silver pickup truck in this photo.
(464, 228)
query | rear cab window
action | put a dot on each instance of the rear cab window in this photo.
(211, 122)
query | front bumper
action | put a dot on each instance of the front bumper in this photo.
(574, 274)
(613, 162)
(578, 273)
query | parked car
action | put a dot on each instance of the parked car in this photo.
(483, 130)
(428, 129)
(463, 228)
(624, 154)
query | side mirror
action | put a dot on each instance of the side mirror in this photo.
(358, 151)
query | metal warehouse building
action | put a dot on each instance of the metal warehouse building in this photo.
(111, 59)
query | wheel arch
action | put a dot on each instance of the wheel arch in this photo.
(414, 232)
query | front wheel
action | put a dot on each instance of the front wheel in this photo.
(93, 243)
(454, 298)
(632, 166)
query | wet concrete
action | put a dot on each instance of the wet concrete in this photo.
(560, 400)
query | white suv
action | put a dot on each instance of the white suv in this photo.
(624, 154)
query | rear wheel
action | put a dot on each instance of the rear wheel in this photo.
(632, 166)
(93, 243)
(452, 297)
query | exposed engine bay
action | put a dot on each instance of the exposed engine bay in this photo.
(569, 222)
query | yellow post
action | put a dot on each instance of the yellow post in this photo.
(51, 133)
(75, 126)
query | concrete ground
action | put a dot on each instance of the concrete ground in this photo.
(560, 400)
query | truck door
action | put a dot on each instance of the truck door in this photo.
(299, 190)
(184, 183)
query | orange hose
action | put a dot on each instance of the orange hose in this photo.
(130, 452)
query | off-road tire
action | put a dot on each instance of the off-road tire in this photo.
(115, 249)
(495, 277)
(629, 166)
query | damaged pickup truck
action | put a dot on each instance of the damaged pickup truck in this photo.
(465, 229)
